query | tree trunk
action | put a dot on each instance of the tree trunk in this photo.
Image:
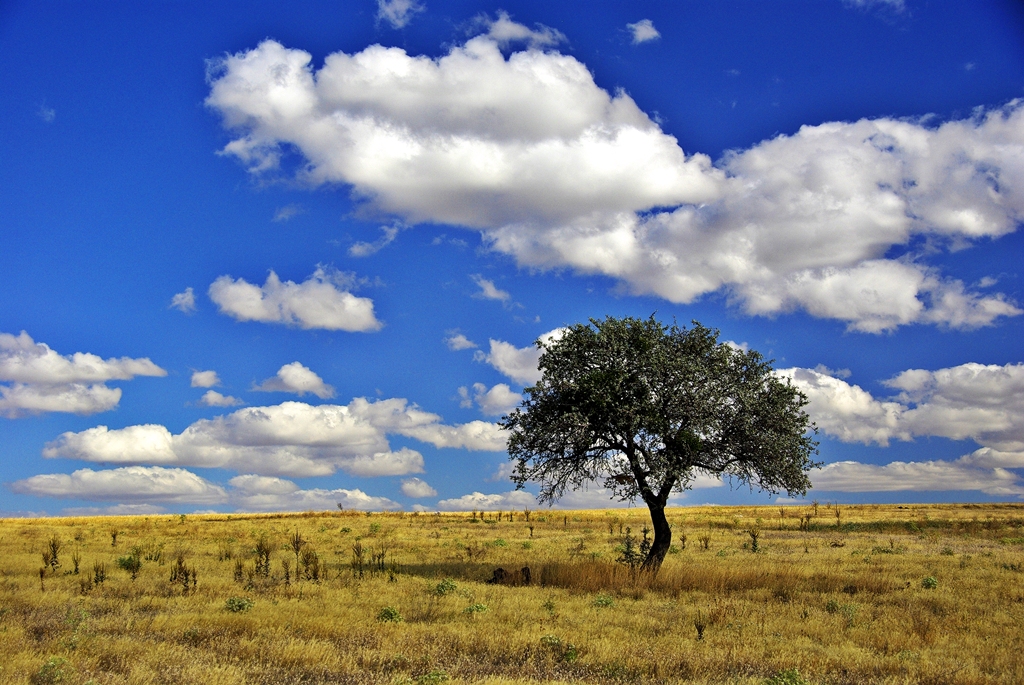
(662, 539)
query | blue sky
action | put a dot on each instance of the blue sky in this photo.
(258, 256)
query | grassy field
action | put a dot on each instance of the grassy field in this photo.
(850, 594)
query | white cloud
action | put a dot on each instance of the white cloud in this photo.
(643, 31)
(495, 401)
(205, 379)
(504, 32)
(44, 381)
(128, 484)
(287, 212)
(139, 488)
(896, 6)
(415, 487)
(298, 379)
(212, 398)
(921, 476)
(398, 13)
(557, 172)
(47, 114)
(288, 439)
(515, 499)
(518, 363)
(362, 249)
(184, 301)
(984, 403)
(488, 291)
(457, 341)
(317, 302)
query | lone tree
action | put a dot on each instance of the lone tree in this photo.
(647, 408)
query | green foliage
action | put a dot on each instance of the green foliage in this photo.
(604, 601)
(56, 669)
(563, 651)
(131, 563)
(432, 678)
(790, 676)
(389, 615)
(930, 583)
(475, 609)
(654, 406)
(445, 587)
(238, 604)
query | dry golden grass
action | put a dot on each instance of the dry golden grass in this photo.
(840, 600)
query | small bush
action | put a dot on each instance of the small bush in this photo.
(790, 676)
(930, 583)
(238, 604)
(604, 601)
(445, 587)
(56, 669)
(389, 615)
(475, 609)
(432, 678)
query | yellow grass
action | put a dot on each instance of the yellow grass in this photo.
(838, 601)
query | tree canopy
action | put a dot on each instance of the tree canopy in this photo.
(645, 408)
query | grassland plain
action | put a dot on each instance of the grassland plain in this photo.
(778, 595)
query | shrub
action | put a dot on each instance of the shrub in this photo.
(56, 669)
(929, 583)
(389, 615)
(131, 563)
(238, 604)
(475, 609)
(445, 587)
(604, 601)
(790, 676)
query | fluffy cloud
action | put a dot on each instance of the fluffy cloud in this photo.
(212, 398)
(416, 487)
(518, 363)
(139, 487)
(44, 381)
(292, 438)
(557, 172)
(318, 302)
(184, 301)
(362, 249)
(205, 379)
(643, 31)
(984, 403)
(457, 341)
(489, 291)
(127, 484)
(398, 13)
(921, 476)
(298, 379)
(494, 402)
(515, 499)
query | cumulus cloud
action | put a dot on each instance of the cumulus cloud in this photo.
(920, 476)
(495, 401)
(127, 484)
(317, 302)
(984, 403)
(298, 379)
(212, 398)
(289, 439)
(643, 31)
(140, 488)
(457, 341)
(515, 499)
(416, 487)
(517, 363)
(488, 291)
(506, 32)
(205, 379)
(184, 301)
(41, 380)
(398, 13)
(557, 172)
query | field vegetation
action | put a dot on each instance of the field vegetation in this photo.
(766, 595)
